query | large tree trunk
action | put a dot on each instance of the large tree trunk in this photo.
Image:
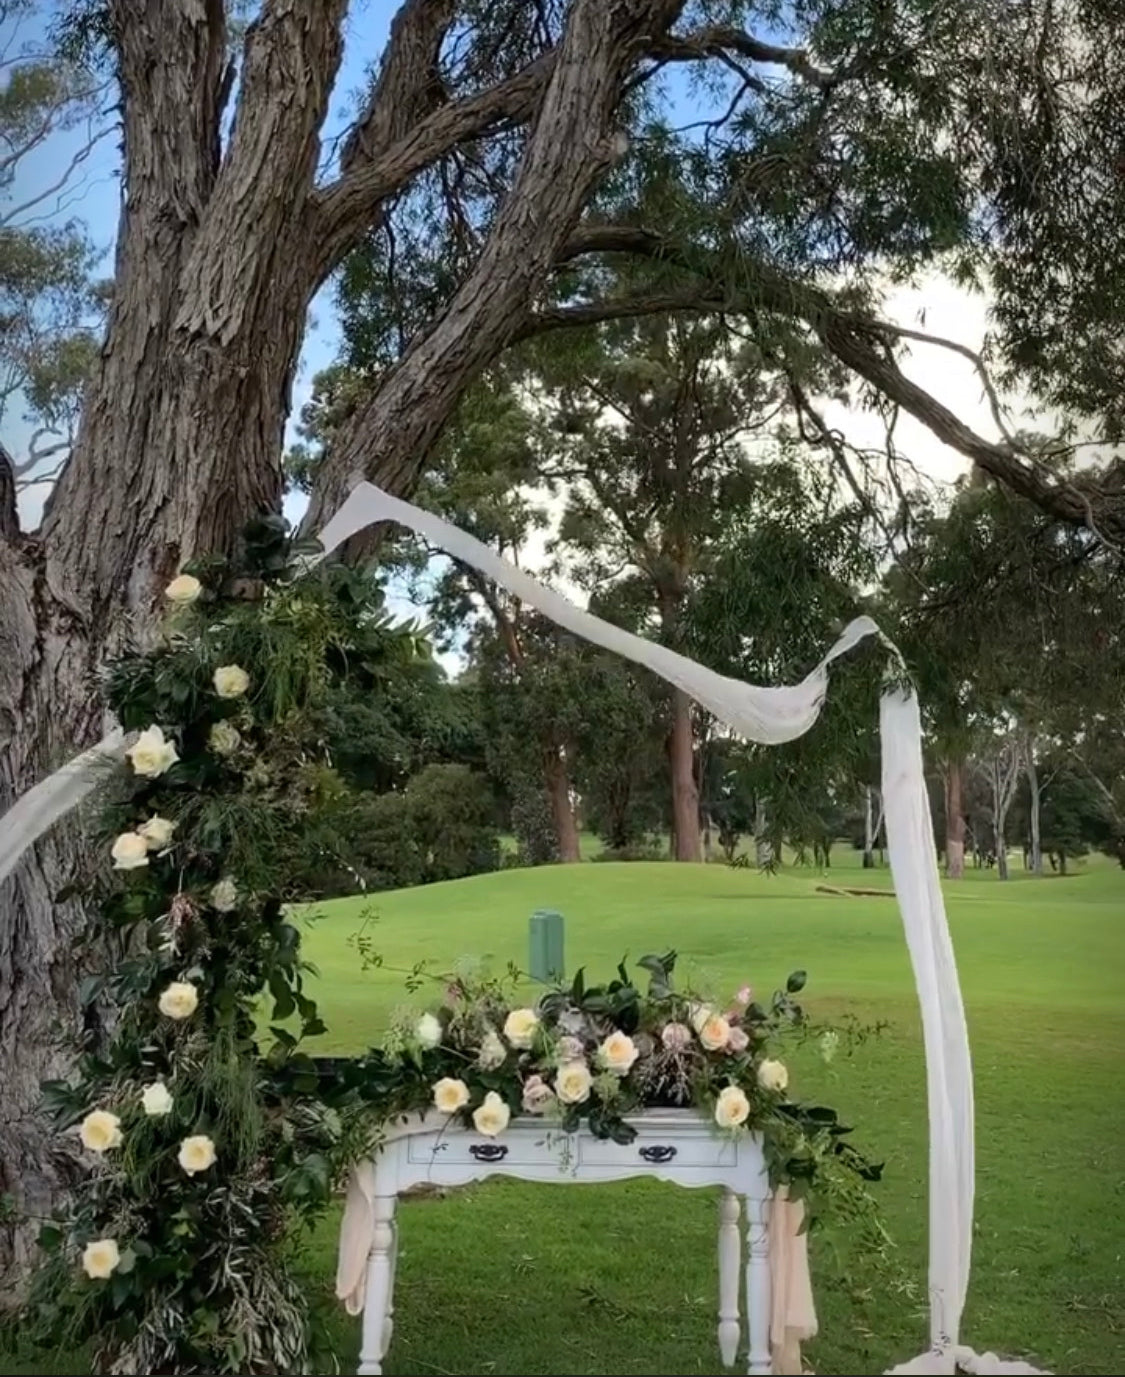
(562, 810)
(954, 819)
(685, 793)
(220, 251)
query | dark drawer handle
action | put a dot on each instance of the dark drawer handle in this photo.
(658, 1153)
(488, 1152)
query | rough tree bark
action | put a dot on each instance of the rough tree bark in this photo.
(220, 251)
(954, 819)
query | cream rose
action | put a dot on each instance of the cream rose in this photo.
(100, 1258)
(732, 1107)
(183, 589)
(157, 833)
(150, 755)
(618, 1053)
(224, 895)
(573, 1082)
(538, 1096)
(156, 1100)
(520, 1026)
(773, 1075)
(427, 1031)
(224, 738)
(100, 1131)
(179, 1000)
(197, 1153)
(450, 1095)
(492, 1053)
(231, 681)
(714, 1033)
(491, 1117)
(738, 1041)
(129, 851)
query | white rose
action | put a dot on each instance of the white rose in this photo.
(130, 851)
(773, 1075)
(491, 1117)
(224, 895)
(224, 738)
(538, 1096)
(520, 1026)
(183, 589)
(100, 1258)
(157, 833)
(714, 1033)
(179, 1000)
(427, 1031)
(151, 755)
(732, 1107)
(100, 1131)
(231, 681)
(197, 1153)
(618, 1053)
(450, 1095)
(573, 1082)
(156, 1099)
(492, 1053)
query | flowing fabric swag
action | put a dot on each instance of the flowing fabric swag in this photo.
(769, 716)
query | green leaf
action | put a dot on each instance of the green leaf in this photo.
(283, 1002)
(796, 982)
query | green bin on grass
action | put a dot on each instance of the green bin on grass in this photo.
(545, 942)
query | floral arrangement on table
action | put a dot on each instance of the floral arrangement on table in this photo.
(594, 1055)
(204, 1143)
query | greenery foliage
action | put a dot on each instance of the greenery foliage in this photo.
(207, 1148)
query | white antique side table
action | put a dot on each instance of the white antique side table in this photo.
(671, 1145)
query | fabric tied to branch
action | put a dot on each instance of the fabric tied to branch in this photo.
(769, 716)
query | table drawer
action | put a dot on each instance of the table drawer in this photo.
(470, 1149)
(675, 1150)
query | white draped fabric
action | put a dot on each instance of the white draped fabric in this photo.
(770, 716)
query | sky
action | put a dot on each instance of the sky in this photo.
(93, 196)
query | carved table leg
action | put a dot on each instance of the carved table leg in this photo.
(389, 1325)
(758, 1286)
(730, 1265)
(378, 1302)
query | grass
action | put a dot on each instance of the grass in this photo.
(510, 1277)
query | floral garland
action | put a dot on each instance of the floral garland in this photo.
(203, 1147)
(594, 1056)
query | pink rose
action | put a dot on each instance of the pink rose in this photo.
(745, 995)
(571, 1049)
(676, 1036)
(738, 1041)
(537, 1095)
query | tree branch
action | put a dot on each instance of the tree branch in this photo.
(347, 207)
(717, 39)
(569, 149)
(861, 342)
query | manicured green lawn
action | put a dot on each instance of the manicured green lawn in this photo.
(513, 1278)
